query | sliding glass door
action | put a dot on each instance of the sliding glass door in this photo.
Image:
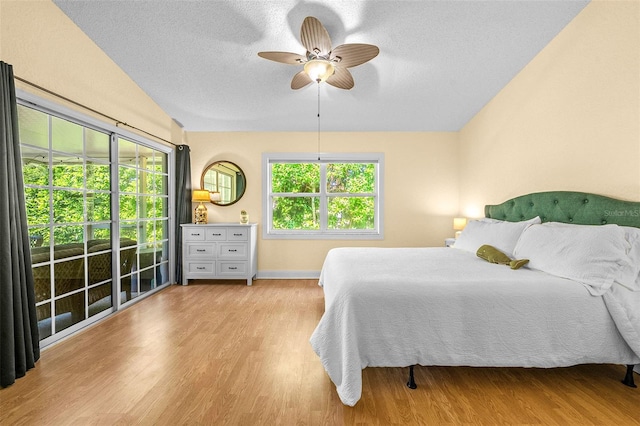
(97, 208)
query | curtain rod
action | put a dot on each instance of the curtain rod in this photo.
(91, 109)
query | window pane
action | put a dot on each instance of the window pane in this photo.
(73, 234)
(98, 206)
(128, 207)
(145, 157)
(97, 144)
(38, 207)
(69, 275)
(296, 213)
(33, 127)
(295, 178)
(38, 237)
(100, 298)
(68, 172)
(129, 229)
(146, 206)
(99, 264)
(100, 231)
(68, 206)
(42, 280)
(35, 166)
(69, 311)
(160, 206)
(127, 152)
(128, 178)
(66, 136)
(98, 176)
(351, 213)
(161, 162)
(43, 313)
(146, 182)
(351, 177)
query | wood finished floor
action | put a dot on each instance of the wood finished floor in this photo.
(223, 353)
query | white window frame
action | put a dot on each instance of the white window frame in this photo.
(323, 233)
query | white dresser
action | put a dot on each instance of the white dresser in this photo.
(219, 251)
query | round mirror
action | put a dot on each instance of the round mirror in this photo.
(225, 182)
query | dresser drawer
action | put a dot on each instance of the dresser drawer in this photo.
(237, 234)
(194, 235)
(208, 268)
(229, 268)
(201, 250)
(232, 250)
(217, 234)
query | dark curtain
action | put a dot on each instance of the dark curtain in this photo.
(183, 200)
(19, 340)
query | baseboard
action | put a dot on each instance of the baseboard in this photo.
(292, 275)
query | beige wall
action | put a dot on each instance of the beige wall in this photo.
(570, 120)
(48, 49)
(421, 186)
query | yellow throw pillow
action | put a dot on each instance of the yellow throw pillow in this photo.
(493, 255)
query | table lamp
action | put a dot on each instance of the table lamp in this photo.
(458, 224)
(200, 196)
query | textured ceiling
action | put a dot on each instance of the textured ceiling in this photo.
(440, 62)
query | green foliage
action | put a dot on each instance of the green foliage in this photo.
(349, 187)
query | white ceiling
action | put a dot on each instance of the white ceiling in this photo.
(440, 62)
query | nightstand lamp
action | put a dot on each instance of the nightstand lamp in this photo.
(458, 224)
(200, 196)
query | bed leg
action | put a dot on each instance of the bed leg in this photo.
(628, 378)
(411, 384)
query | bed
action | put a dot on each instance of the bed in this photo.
(576, 302)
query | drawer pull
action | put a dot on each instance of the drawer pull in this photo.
(201, 250)
(216, 235)
(237, 235)
(200, 268)
(232, 250)
(195, 235)
(233, 268)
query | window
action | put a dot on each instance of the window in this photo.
(307, 196)
(87, 260)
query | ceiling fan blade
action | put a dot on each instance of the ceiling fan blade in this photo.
(284, 57)
(354, 54)
(341, 79)
(300, 80)
(315, 37)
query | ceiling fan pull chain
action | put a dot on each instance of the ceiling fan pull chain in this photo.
(318, 121)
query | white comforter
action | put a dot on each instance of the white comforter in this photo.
(393, 307)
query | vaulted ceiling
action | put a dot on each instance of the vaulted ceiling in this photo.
(440, 62)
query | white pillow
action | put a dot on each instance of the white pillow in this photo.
(589, 254)
(630, 274)
(502, 235)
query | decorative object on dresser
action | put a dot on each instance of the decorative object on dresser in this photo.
(244, 217)
(199, 196)
(219, 251)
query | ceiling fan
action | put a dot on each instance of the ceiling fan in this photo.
(321, 63)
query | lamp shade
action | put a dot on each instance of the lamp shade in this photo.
(319, 69)
(459, 223)
(200, 195)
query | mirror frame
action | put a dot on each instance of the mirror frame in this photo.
(215, 163)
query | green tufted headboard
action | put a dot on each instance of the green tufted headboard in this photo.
(569, 207)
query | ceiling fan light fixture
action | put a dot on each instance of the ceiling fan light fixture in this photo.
(319, 69)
